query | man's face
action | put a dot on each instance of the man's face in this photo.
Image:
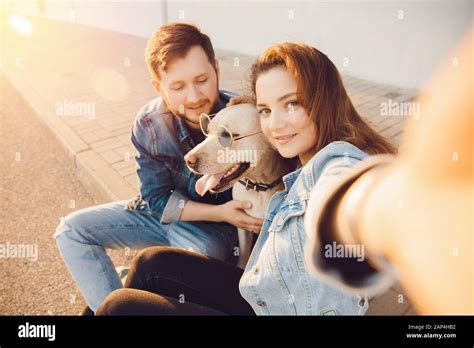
(190, 86)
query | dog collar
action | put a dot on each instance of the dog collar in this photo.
(250, 185)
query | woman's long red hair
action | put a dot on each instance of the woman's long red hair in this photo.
(323, 96)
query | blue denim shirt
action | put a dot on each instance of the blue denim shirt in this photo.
(276, 280)
(161, 140)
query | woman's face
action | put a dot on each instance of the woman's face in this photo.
(283, 119)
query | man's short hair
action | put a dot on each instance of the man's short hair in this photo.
(172, 41)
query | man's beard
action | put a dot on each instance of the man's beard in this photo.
(188, 119)
(192, 119)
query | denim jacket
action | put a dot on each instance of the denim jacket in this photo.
(161, 140)
(276, 280)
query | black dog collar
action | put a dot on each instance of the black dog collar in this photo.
(250, 185)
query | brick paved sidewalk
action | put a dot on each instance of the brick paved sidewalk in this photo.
(87, 84)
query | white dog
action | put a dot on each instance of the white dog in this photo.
(250, 164)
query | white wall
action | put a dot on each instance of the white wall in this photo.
(395, 42)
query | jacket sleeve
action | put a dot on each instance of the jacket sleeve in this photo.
(156, 181)
(366, 273)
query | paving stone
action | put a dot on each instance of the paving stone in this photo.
(111, 157)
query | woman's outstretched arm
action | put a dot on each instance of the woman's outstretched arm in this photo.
(418, 211)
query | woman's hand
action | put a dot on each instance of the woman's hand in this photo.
(234, 213)
(241, 99)
(420, 213)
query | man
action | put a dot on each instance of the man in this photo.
(168, 210)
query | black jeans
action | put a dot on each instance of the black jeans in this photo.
(170, 281)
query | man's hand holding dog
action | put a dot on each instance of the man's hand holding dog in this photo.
(233, 212)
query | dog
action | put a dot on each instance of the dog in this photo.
(251, 165)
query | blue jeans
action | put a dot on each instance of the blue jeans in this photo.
(83, 236)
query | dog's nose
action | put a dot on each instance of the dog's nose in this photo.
(191, 160)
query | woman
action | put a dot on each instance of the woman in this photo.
(306, 114)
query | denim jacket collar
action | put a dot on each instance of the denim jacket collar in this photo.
(289, 179)
(182, 128)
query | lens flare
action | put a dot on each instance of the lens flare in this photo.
(20, 24)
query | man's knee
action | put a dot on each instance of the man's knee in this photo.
(85, 223)
(71, 225)
(63, 227)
